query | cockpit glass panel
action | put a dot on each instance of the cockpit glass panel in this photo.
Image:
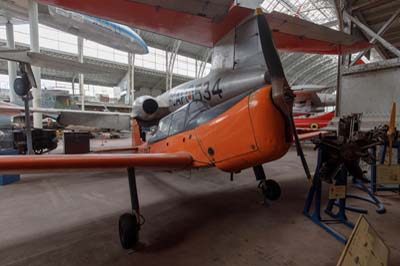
(190, 116)
(196, 108)
(162, 131)
(178, 122)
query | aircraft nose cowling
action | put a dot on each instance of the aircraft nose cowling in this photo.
(150, 106)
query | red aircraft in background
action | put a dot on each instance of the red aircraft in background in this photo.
(313, 122)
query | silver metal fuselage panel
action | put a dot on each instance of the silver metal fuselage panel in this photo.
(237, 66)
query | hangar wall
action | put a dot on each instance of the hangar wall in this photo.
(371, 89)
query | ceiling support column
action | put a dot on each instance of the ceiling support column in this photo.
(12, 66)
(73, 84)
(131, 78)
(34, 38)
(171, 63)
(203, 64)
(81, 76)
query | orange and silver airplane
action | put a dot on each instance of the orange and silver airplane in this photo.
(228, 129)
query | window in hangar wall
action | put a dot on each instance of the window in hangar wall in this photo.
(57, 40)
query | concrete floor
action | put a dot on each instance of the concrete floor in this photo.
(198, 218)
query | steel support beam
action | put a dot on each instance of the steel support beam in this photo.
(381, 31)
(166, 70)
(298, 61)
(204, 61)
(131, 77)
(369, 4)
(320, 72)
(331, 23)
(303, 64)
(34, 38)
(291, 58)
(379, 48)
(171, 63)
(289, 6)
(81, 76)
(371, 33)
(12, 66)
(73, 84)
(329, 80)
(322, 61)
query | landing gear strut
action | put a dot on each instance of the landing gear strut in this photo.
(129, 223)
(269, 188)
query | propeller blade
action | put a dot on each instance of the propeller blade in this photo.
(271, 56)
(282, 95)
(299, 149)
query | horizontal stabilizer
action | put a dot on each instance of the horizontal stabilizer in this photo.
(93, 119)
(101, 120)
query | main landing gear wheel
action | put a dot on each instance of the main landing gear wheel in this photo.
(270, 189)
(128, 230)
(38, 151)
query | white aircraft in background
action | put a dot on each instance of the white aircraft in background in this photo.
(311, 99)
(98, 30)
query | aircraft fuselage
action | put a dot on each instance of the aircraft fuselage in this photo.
(244, 131)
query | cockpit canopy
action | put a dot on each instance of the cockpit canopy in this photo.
(191, 116)
(178, 121)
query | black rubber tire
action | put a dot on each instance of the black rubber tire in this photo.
(271, 190)
(128, 230)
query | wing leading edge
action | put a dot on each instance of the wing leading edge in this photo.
(34, 163)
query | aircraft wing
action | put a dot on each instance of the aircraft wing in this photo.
(299, 89)
(47, 61)
(19, 164)
(205, 22)
(109, 120)
(95, 119)
(302, 96)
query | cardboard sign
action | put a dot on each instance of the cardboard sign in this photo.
(337, 192)
(388, 174)
(364, 247)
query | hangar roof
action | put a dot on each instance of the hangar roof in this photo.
(375, 14)
(320, 69)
